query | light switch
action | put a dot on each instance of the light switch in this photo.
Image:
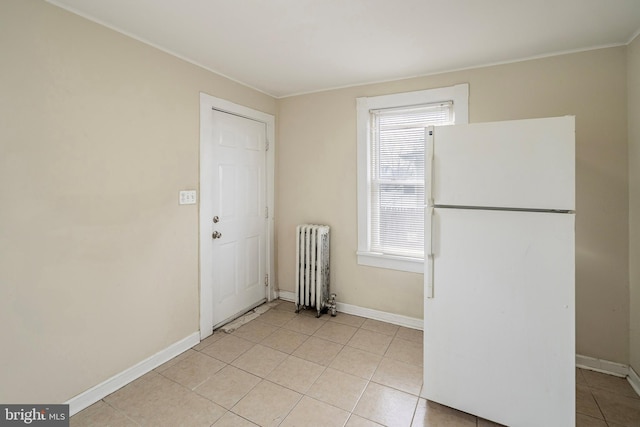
(188, 197)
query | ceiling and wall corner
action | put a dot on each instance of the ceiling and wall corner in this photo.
(285, 47)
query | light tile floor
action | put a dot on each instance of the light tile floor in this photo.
(288, 369)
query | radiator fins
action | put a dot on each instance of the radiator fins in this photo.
(312, 268)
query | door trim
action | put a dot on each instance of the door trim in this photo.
(207, 102)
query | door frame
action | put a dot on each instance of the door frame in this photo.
(207, 103)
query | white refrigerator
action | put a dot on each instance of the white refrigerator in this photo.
(499, 312)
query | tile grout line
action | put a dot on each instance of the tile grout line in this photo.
(368, 381)
(302, 395)
(316, 380)
(121, 412)
(598, 405)
(216, 403)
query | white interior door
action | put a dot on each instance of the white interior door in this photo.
(499, 337)
(235, 232)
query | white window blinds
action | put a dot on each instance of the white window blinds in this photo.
(397, 176)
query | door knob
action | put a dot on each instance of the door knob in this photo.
(216, 219)
(216, 235)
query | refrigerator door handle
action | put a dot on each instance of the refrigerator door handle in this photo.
(428, 217)
(428, 253)
(428, 162)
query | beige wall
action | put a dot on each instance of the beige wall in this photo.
(98, 262)
(98, 133)
(317, 181)
(633, 76)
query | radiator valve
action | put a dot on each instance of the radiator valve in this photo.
(332, 305)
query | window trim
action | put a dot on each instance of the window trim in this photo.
(459, 94)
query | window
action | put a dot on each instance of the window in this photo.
(391, 172)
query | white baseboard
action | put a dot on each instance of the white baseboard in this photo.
(287, 296)
(396, 319)
(94, 394)
(604, 366)
(634, 380)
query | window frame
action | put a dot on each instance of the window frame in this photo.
(459, 95)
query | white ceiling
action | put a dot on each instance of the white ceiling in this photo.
(286, 47)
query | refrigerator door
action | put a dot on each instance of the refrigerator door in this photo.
(499, 337)
(528, 164)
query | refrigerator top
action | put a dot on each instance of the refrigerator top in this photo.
(519, 165)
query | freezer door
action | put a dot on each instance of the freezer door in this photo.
(499, 337)
(526, 164)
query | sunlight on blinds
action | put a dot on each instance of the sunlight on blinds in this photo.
(397, 176)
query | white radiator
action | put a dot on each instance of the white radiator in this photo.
(312, 267)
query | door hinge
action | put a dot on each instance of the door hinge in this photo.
(266, 145)
(266, 211)
(266, 280)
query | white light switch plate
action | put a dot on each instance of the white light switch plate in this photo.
(188, 197)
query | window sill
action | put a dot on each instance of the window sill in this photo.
(392, 262)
